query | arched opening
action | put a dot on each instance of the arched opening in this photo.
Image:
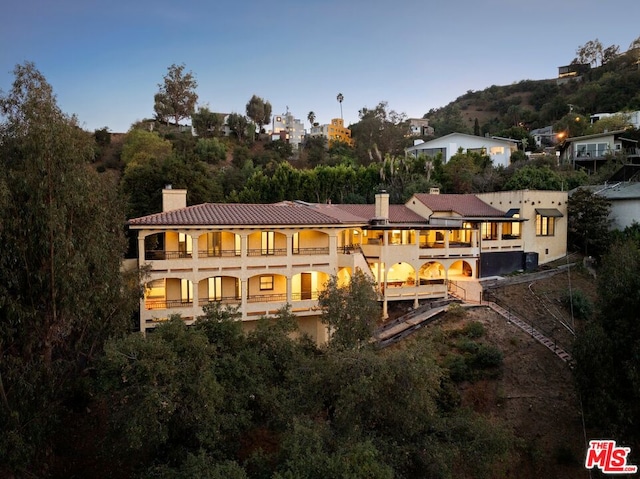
(267, 288)
(401, 274)
(168, 293)
(220, 289)
(267, 243)
(216, 244)
(432, 273)
(307, 285)
(460, 269)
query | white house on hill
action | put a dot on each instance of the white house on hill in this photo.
(499, 150)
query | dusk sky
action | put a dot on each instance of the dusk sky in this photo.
(105, 59)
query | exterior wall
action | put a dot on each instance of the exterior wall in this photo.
(452, 143)
(292, 127)
(624, 212)
(239, 270)
(549, 248)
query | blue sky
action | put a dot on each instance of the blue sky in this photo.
(105, 59)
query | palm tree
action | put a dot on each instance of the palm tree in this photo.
(311, 117)
(340, 97)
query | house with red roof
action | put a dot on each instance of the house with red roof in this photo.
(261, 257)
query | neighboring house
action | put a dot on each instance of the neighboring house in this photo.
(572, 72)
(261, 257)
(499, 150)
(287, 128)
(633, 117)
(592, 151)
(334, 131)
(625, 202)
(420, 127)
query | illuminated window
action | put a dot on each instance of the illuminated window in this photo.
(268, 239)
(185, 245)
(295, 243)
(266, 283)
(489, 231)
(186, 290)
(215, 288)
(545, 225)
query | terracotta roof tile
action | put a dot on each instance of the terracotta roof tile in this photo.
(466, 205)
(237, 214)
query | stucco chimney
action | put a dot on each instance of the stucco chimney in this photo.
(173, 199)
(382, 205)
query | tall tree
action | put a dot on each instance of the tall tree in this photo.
(351, 311)
(177, 95)
(259, 111)
(311, 117)
(588, 227)
(62, 292)
(607, 349)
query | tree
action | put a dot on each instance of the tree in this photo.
(311, 117)
(206, 123)
(62, 293)
(607, 349)
(259, 111)
(340, 99)
(351, 311)
(238, 124)
(590, 52)
(588, 226)
(534, 178)
(142, 146)
(176, 97)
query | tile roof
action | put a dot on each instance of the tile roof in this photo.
(466, 205)
(285, 213)
(397, 213)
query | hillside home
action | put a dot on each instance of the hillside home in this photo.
(334, 131)
(499, 150)
(592, 151)
(288, 129)
(625, 202)
(420, 127)
(261, 257)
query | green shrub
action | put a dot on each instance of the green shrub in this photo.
(582, 305)
(474, 329)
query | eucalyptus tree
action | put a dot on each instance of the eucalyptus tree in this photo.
(62, 290)
(259, 111)
(177, 95)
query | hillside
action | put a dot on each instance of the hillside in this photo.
(533, 396)
(530, 104)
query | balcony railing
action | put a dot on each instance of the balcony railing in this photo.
(220, 253)
(222, 300)
(167, 303)
(310, 251)
(307, 295)
(267, 252)
(166, 254)
(267, 298)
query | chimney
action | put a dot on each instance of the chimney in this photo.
(173, 199)
(382, 205)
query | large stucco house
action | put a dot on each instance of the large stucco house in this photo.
(261, 257)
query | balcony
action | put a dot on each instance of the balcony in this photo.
(154, 304)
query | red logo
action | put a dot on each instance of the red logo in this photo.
(611, 459)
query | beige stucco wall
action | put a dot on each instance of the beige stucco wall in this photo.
(549, 248)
